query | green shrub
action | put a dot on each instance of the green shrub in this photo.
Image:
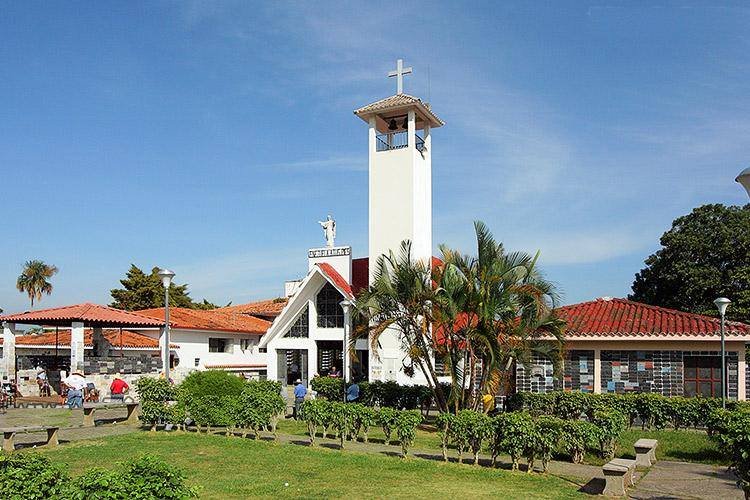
(732, 431)
(150, 477)
(653, 410)
(517, 435)
(154, 393)
(571, 404)
(100, 484)
(330, 388)
(548, 433)
(339, 419)
(215, 383)
(445, 422)
(259, 407)
(576, 436)
(387, 420)
(29, 476)
(368, 417)
(315, 414)
(609, 426)
(683, 412)
(406, 424)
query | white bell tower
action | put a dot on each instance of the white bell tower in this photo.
(400, 195)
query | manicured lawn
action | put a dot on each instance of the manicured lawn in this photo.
(681, 446)
(235, 468)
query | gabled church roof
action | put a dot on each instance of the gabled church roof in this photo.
(296, 304)
(397, 102)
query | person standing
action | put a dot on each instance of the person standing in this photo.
(300, 391)
(118, 388)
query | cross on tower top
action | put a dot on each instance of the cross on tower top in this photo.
(399, 74)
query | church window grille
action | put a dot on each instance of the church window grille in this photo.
(330, 313)
(301, 327)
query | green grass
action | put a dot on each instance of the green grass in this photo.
(681, 446)
(238, 468)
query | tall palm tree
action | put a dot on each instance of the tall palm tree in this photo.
(505, 312)
(400, 299)
(33, 279)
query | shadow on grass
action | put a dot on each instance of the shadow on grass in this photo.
(593, 487)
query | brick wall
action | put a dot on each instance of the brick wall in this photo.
(126, 364)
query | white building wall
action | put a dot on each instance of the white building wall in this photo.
(193, 345)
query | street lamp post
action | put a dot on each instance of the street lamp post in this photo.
(744, 179)
(721, 304)
(166, 280)
(346, 305)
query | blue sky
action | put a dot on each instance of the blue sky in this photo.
(210, 137)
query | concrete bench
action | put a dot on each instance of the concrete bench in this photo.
(9, 435)
(645, 452)
(619, 473)
(89, 409)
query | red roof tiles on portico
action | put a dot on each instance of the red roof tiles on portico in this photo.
(263, 308)
(610, 318)
(130, 340)
(211, 320)
(86, 313)
(335, 278)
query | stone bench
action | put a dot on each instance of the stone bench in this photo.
(619, 473)
(9, 435)
(89, 409)
(645, 452)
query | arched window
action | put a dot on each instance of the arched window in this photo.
(330, 313)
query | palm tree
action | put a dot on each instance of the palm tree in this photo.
(498, 308)
(400, 299)
(33, 279)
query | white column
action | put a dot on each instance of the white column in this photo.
(76, 347)
(372, 134)
(597, 371)
(9, 350)
(741, 375)
(162, 345)
(412, 128)
(346, 361)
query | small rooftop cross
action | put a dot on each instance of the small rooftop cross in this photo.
(399, 74)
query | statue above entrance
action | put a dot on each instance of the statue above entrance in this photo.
(329, 230)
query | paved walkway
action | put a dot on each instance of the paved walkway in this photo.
(686, 480)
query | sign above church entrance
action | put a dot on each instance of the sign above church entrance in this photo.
(328, 252)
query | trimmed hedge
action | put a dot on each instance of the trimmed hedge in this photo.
(348, 420)
(251, 406)
(731, 430)
(523, 435)
(654, 411)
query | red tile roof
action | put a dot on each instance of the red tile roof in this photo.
(131, 340)
(214, 320)
(338, 280)
(606, 317)
(89, 314)
(263, 308)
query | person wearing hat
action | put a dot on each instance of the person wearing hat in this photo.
(300, 391)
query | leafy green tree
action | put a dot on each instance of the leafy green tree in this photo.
(706, 254)
(144, 291)
(33, 280)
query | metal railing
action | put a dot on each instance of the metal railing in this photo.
(397, 140)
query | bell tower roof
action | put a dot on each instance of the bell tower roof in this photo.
(396, 105)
